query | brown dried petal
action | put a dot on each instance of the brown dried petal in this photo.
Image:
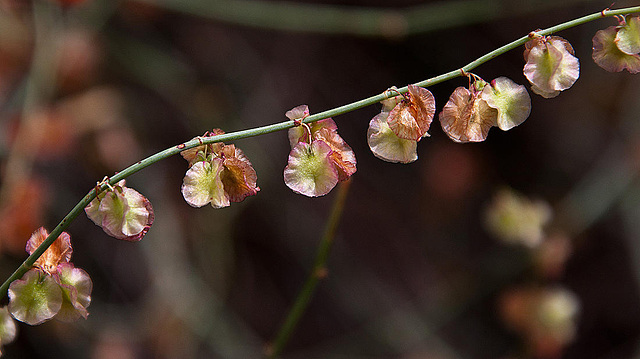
(59, 252)
(342, 155)
(466, 117)
(411, 118)
(239, 179)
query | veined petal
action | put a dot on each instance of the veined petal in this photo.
(466, 117)
(35, 298)
(628, 36)
(341, 154)
(412, 117)
(238, 176)
(510, 99)
(76, 288)
(386, 145)
(202, 185)
(551, 66)
(59, 252)
(608, 56)
(310, 170)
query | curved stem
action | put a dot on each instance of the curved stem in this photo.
(66, 221)
(318, 272)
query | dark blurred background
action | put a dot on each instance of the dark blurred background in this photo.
(414, 273)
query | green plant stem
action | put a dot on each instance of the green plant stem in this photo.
(318, 272)
(66, 221)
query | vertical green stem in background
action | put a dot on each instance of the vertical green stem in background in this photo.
(318, 272)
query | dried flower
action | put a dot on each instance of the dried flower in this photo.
(35, 298)
(319, 157)
(386, 145)
(510, 99)
(76, 288)
(59, 252)
(628, 36)
(466, 117)
(218, 174)
(122, 212)
(607, 54)
(551, 66)
(310, 170)
(53, 287)
(410, 119)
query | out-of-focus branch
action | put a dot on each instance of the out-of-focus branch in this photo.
(357, 21)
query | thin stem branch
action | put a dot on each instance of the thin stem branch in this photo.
(318, 272)
(66, 221)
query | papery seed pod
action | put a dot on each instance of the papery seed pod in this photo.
(122, 212)
(628, 36)
(202, 184)
(411, 118)
(342, 155)
(35, 298)
(76, 286)
(239, 179)
(386, 145)
(551, 66)
(59, 252)
(510, 99)
(466, 117)
(310, 170)
(608, 56)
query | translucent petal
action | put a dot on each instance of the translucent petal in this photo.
(551, 66)
(202, 185)
(139, 216)
(466, 117)
(126, 213)
(298, 113)
(390, 103)
(60, 250)
(8, 328)
(35, 298)
(310, 170)
(386, 145)
(510, 99)
(411, 118)
(628, 36)
(608, 56)
(76, 288)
